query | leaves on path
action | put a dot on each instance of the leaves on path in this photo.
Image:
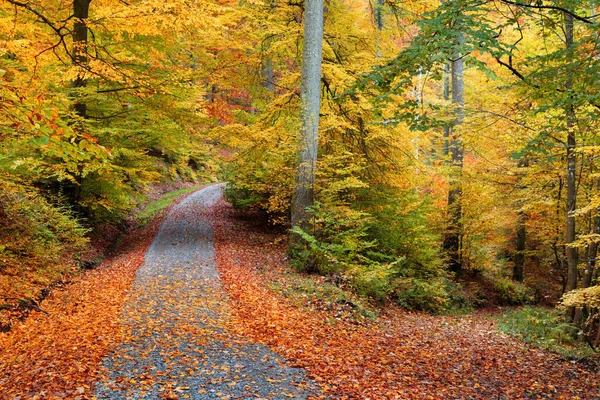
(57, 355)
(180, 342)
(404, 355)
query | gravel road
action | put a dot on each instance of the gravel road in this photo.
(177, 317)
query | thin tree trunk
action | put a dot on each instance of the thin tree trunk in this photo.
(267, 75)
(597, 341)
(521, 241)
(445, 151)
(378, 14)
(519, 259)
(452, 240)
(592, 255)
(571, 251)
(310, 106)
(590, 264)
(80, 42)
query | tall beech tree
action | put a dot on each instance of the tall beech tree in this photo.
(452, 239)
(310, 103)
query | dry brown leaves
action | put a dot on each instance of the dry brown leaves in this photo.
(57, 355)
(403, 356)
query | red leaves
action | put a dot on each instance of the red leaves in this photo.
(404, 355)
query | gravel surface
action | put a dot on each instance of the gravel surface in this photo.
(177, 316)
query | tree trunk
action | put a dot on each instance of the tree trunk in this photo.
(519, 259)
(378, 14)
(452, 240)
(310, 105)
(592, 255)
(445, 151)
(521, 241)
(80, 40)
(267, 75)
(590, 265)
(79, 58)
(597, 341)
(571, 252)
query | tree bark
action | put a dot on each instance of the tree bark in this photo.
(378, 14)
(446, 136)
(571, 204)
(571, 252)
(590, 265)
(452, 239)
(80, 42)
(267, 75)
(519, 259)
(310, 105)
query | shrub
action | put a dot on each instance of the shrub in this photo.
(38, 242)
(512, 292)
(543, 327)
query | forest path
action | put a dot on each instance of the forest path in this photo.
(177, 318)
(401, 355)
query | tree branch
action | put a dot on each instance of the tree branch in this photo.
(117, 89)
(41, 16)
(587, 20)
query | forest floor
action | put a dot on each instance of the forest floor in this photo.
(211, 310)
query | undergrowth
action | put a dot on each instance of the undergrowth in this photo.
(145, 215)
(39, 241)
(320, 294)
(545, 328)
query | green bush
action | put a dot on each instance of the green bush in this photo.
(39, 242)
(543, 327)
(381, 258)
(241, 198)
(419, 294)
(512, 292)
(33, 228)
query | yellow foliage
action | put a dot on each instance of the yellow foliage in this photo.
(588, 297)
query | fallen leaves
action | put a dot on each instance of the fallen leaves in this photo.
(57, 355)
(179, 322)
(402, 356)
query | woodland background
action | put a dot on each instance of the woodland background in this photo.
(457, 155)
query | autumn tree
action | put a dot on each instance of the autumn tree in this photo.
(310, 101)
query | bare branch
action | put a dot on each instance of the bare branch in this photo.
(585, 19)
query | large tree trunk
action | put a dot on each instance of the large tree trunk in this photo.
(79, 58)
(452, 240)
(310, 105)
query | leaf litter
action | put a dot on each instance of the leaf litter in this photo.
(402, 355)
(183, 337)
(179, 322)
